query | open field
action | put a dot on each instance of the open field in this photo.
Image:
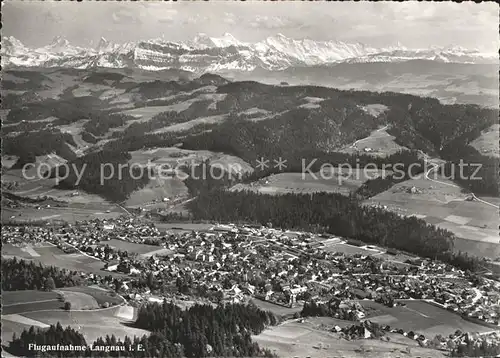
(375, 109)
(52, 256)
(144, 114)
(81, 200)
(79, 262)
(29, 184)
(179, 208)
(445, 206)
(347, 249)
(294, 339)
(92, 324)
(16, 302)
(101, 296)
(340, 181)
(9, 160)
(75, 205)
(156, 205)
(15, 297)
(16, 318)
(487, 143)
(27, 215)
(27, 251)
(164, 159)
(491, 199)
(174, 157)
(34, 173)
(312, 102)
(157, 189)
(127, 313)
(276, 309)
(485, 249)
(79, 300)
(54, 215)
(76, 129)
(159, 252)
(22, 309)
(190, 124)
(379, 143)
(183, 226)
(140, 249)
(422, 317)
(33, 188)
(14, 324)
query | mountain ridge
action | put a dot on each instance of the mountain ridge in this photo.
(209, 54)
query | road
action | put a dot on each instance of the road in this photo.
(435, 166)
(121, 207)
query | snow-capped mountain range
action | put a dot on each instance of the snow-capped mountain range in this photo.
(209, 54)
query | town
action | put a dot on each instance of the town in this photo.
(229, 263)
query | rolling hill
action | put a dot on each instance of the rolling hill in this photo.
(133, 117)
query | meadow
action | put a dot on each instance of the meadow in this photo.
(487, 143)
(16, 302)
(60, 205)
(421, 317)
(52, 256)
(348, 249)
(22, 309)
(339, 180)
(276, 309)
(139, 249)
(182, 226)
(307, 339)
(475, 223)
(101, 296)
(378, 143)
(56, 214)
(80, 297)
(92, 324)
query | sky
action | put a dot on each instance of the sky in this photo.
(377, 24)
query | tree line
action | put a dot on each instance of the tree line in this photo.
(27, 275)
(329, 309)
(336, 214)
(29, 145)
(207, 331)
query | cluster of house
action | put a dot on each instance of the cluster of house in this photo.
(268, 264)
(254, 262)
(124, 228)
(491, 339)
(486, 308)
(21, 235)
(366, 330)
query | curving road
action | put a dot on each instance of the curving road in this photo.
(435, 166)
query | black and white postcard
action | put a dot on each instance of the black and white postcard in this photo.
(250, 179)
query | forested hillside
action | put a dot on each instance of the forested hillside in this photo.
(249, 120)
